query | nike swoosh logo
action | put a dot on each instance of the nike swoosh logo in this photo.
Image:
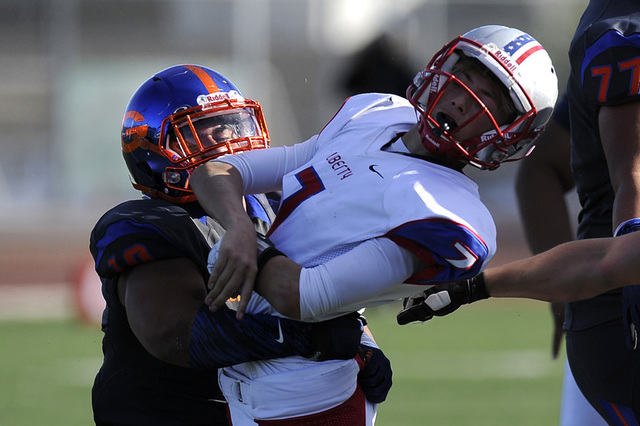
(280, 338)
(371, 167)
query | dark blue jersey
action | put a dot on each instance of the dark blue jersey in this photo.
(133, 387)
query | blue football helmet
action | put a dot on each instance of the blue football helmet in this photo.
(181, 117)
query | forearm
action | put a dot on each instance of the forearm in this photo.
(278, 282)
(571, 271)
(541, 184)
(545, 217)
(343, 284)
(218, 187)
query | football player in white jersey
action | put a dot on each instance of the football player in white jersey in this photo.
(374, 208)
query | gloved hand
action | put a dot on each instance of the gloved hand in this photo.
(441, 300)
(337, 338)
(375, 377)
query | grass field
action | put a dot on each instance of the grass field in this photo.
(487, 364)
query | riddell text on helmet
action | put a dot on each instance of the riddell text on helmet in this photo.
(506, 60)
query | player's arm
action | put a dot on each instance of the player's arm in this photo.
(279, 283)
(219, 186)
(219, 189)
(620, 134)
(542, 181)
(161, 299)
(347, 280)
(572, 271)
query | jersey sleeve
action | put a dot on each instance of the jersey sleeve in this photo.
(141, 231)
(367, 275)
(262, 170)
(610, 69)
(449, 251)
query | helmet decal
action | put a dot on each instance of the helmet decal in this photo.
(204, 77)
(521, 48)
(133, 133)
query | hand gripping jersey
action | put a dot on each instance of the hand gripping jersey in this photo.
(342, 189)
(133, 387)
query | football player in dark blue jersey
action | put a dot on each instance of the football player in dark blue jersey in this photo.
(162, 346)
(604, 105)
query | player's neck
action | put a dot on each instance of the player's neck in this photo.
(413, 141)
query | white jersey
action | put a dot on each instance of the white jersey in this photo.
(349, 189)
(352, 190)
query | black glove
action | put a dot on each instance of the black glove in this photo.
(338, 338)
(441, 300)
(375, 376)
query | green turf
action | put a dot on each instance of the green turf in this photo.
(46, 371)
(488, 364)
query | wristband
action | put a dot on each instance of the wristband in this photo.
(476, 290)
(627, 227)
(266, 251)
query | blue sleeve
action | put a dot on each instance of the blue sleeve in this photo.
(450, 250)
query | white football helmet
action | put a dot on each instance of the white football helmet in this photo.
(519, 63)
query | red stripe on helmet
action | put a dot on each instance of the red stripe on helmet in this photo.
(204, 78)
(528, 53)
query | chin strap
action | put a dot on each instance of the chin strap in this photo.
(153, 193)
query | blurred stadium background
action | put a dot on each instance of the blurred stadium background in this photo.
(69, 66)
